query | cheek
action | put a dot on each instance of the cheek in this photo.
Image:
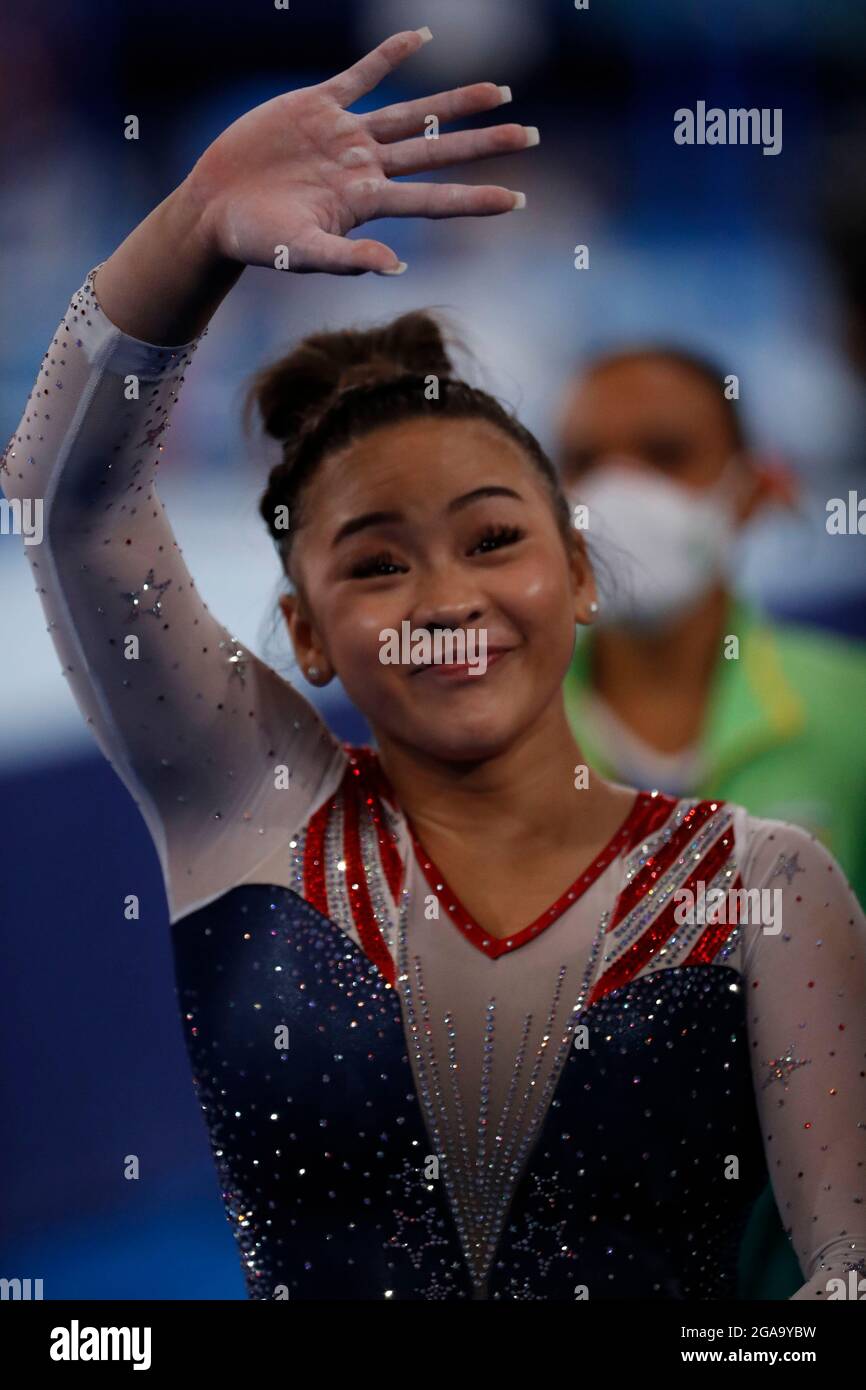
(353, 627)
(538, 595)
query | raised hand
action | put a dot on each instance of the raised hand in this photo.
(301, 171)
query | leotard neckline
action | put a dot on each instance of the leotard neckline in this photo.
(494, 947)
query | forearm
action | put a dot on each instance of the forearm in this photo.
(164, 283)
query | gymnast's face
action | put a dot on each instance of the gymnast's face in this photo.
(438, 524)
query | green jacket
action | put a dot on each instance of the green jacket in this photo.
(784, 736)
(785, 731)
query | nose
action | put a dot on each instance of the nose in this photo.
(448, 598)
(451, 614)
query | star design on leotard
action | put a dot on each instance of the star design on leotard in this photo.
(423, 1225)
(236, 659)
(789, 865)
(547, 1189)
(522, 1289)
(148, 588)
(440, 1286)
(782, 1067)
(550, 1244)
(858, 1265)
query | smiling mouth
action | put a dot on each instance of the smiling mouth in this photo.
(462, 670)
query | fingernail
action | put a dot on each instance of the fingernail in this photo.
(504, 94)
(395, 270)
(519, 201)
(426, 36)
(532, 135)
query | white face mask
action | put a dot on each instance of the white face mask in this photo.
(663, 545)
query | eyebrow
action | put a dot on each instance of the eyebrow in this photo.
(359, 523)
(493, 490)
(367, 519)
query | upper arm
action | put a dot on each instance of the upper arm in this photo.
(196, 727)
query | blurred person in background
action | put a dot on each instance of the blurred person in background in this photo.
(654, 450)
(657, 695)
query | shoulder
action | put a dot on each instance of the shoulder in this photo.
(763, 840)
(722, 842)
(792, 867)
(796, 899)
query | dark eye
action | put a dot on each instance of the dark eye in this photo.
(495, 537)
(378, 565)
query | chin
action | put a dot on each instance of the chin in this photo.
(463, 739)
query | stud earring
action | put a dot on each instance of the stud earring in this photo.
(313, 672)
(593, 607)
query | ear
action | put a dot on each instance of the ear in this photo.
(309, 652)
(773, 483)
(583, 579)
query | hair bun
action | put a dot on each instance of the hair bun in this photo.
(291, 392)
(366, 373)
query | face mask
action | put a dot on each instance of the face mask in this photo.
(663, 545)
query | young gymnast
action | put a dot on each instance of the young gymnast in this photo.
(457, 1026)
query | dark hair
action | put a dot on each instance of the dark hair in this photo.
(707, 372)
(335, 387)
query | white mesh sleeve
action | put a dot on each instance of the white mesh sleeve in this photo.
(197, 728)
(806, 1002)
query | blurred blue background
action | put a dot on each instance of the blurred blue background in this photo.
(750, 259)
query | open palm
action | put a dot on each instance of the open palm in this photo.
(300, 171)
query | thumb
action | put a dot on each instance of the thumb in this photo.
(338, 255)
(375, 256)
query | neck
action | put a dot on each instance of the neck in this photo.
(524, 795)
(676, 661)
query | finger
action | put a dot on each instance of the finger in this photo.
(339, 256)
(411, 156)
(408, 117)
(446, 200)
(346, 87)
